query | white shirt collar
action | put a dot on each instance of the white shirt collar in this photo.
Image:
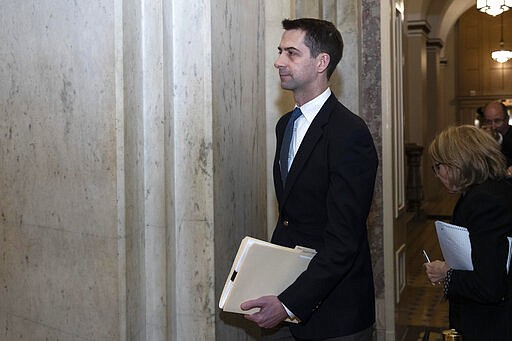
(311, 108)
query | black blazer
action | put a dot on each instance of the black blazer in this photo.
(324, 205)
(481, 300)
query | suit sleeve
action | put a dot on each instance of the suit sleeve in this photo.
(352, 169)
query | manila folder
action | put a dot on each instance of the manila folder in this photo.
(261, 268)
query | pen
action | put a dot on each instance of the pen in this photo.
(426, 256)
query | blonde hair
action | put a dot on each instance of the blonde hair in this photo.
(471, 155)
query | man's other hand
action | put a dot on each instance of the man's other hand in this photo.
(271, 311)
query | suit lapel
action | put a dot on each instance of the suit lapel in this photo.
(307, 145)
(278, 182)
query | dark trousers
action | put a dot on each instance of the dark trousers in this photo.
(282, 333)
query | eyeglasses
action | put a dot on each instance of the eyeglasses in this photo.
(435, 168)
(496, 122)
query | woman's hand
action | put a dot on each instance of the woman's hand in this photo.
(436, 271)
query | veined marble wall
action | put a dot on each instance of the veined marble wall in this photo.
(134, 146)
(112, 115)
(63, 270)
(60, 266)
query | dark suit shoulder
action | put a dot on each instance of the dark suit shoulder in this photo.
(501, 188)
(341, 124)
(340, 114)
(491, 195)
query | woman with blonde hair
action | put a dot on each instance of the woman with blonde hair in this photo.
(467, 160)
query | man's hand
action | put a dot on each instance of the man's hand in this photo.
(271, 311)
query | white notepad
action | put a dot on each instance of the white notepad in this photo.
(261, 268)
(455, 245)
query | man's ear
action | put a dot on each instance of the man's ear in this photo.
(323, 60)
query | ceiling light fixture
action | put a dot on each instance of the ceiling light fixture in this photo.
(493, 7)
(502, 55)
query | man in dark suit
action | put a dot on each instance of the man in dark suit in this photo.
(495, 119)
(324, 184)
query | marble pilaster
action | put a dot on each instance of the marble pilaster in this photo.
(239, 136)
(191, 230)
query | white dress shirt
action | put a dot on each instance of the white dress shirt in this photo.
(309, 111)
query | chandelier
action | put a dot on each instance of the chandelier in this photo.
(493, 7)
(501, 56)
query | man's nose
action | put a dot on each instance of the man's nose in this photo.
(277, 62)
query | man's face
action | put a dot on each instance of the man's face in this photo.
(494, 119)
(297, 68)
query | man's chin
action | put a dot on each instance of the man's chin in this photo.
(286, 86)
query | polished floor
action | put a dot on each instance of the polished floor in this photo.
(422, 312)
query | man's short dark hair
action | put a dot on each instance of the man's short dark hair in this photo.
(321, 37)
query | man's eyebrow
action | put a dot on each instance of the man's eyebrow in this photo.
(291, 48)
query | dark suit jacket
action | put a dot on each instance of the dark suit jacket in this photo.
(481, 300)
(324, 205)
(506, 146)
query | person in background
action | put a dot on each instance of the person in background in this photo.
(495, 119)
(324, 181)
(467, 160)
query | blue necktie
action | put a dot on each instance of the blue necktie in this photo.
(285, 147)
